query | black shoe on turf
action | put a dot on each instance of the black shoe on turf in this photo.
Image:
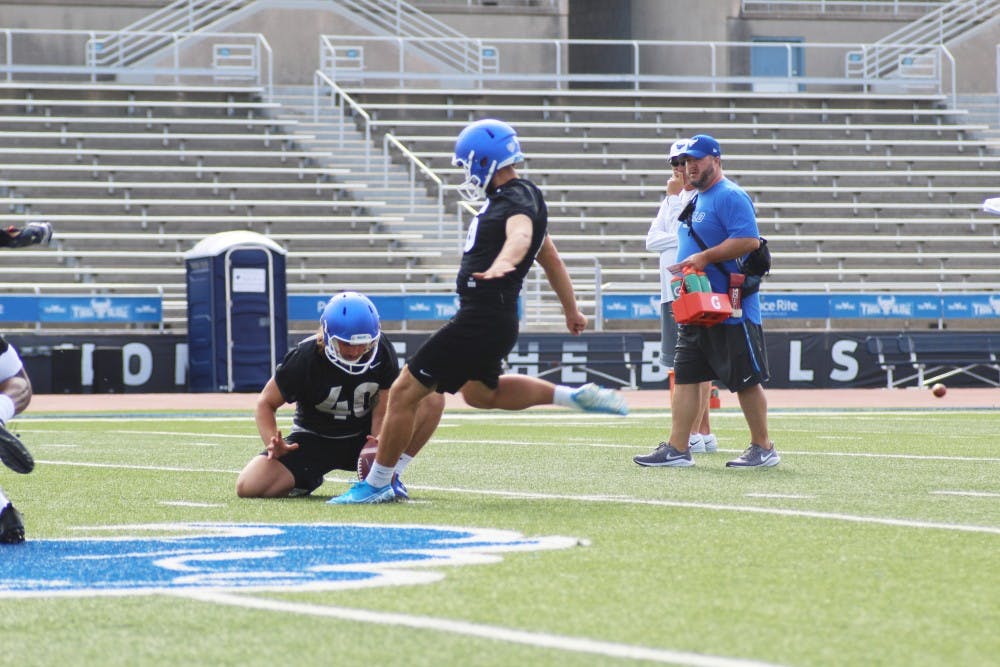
(11, 526)
(756, 456)
(13, 454)
(665, 455)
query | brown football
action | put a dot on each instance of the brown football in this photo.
(366, 458)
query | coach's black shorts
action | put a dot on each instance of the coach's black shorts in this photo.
(734, 354)
(318, 455)
(471, 346)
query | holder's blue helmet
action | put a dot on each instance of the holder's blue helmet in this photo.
(350, 318)
(481, 149)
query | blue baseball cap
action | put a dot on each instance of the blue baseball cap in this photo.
(701, 145)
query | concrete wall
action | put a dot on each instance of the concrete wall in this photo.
(294, 33)
(75, 14)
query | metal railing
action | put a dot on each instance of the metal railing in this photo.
(345, 55)
(439, 41)
(924, 36)
(867, 8)
(149, 34)
(342, 103)
(552, 4)
(189, 58)
(708, 66)
(415, 165)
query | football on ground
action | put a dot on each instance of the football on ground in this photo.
(366, 459)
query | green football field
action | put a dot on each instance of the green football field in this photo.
(875, 542)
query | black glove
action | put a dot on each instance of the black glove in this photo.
(33, 232)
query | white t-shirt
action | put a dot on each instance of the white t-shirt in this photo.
(662, 237)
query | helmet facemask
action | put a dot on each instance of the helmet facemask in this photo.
(482, 149)
(476, 177)
(331, 347)
(350, 318)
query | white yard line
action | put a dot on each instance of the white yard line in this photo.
(482, 631)
(186, 503)
(781, 450)
(123, 466)
(974, 494)
(776, 511)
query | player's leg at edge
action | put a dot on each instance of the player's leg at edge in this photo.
(513, 392)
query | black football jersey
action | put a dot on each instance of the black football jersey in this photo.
(488, 232)
(328, 400)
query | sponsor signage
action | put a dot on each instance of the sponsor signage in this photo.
(631, 306)
(159, 363)
(86, 309)
(390, 308)
(795, 306)
(832, 306)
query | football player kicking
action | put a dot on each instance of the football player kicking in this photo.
(15, 393)
(335, 379)
(507, 236)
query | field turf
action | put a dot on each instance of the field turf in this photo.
(874, 542)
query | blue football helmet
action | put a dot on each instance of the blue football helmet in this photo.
(481, 149)
(350, 318)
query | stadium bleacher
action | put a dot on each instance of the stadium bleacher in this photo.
(122, 170)
(854, 189)
(862, 171)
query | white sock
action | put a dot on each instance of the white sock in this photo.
(694, 439)
(564, 396)
(3, 500)
(6, 408)
(379, 475)
(404, 461)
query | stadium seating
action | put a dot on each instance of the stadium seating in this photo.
(885, 189)
(852, 191)
(133, 176)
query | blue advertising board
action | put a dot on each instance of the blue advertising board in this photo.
(631, 306)
(885, 306)
(81, 309)
(971, 306)
(861, 306)
(18, 308)
(794, 306)
(390, 308)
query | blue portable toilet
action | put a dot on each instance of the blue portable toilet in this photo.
(237, 308)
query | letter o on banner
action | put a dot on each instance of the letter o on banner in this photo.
(143, 357)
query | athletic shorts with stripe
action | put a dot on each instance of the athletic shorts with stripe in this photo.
(733, 354)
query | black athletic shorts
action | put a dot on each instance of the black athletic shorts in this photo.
(734, 354)
(471, 346)
(318, 455)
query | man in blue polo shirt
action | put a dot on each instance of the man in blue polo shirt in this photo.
(732, 352)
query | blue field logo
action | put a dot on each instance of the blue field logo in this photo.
(224, 556)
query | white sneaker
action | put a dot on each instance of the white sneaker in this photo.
(696, 444)
(591, 398)
(711, 443)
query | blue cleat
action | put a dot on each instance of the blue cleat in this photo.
(362, 493)
(399, 488)
(592, 398)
